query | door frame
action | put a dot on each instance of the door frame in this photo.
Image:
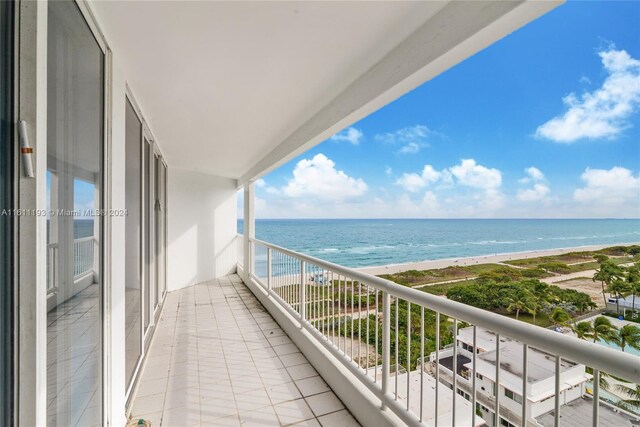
(11, 275)
(147, 231)
(31, 313)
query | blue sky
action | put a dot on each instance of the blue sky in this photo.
(544, 123)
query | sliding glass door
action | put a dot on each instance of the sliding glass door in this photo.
(75, 146)
(7, 203)
(159, 174)
(133, 248)
(146, 230)
(147, 209)
(161, 223)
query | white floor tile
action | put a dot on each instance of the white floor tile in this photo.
(324, 403)
(219, 359)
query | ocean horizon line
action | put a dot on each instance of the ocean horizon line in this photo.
(443, 219)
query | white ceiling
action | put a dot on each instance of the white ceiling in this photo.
(222, 84)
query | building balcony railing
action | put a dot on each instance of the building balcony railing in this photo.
(83, 261)
(370, 324)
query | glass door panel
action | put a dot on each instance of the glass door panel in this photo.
(133, 248)
(75, 144)
(162, 228)
(157, 227)
(146, 200)
(7, 182)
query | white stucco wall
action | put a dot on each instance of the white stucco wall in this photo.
(202, 228)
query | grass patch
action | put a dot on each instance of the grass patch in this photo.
(422, 277)
(574, 262)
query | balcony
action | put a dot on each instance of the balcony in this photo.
(294, 354)
(153, 115)
(218, 358)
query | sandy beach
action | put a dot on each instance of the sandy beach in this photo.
(483, 259)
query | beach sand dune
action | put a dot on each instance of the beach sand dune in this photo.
(482, 259)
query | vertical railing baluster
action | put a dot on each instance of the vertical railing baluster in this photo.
(332, 310)
(596, 398)
(408, 353)
(556, 400)
(421, 360)
(455, 372)
(323, 311)
(303, 300)
(340, 314)
(375, 368)
(386, 345)
(352, 296)
(473, 380)
(395, 331)
(497, 383)
(313, 304)
(269, 268)
(368, 336)
(344, 317)
(437, 367)
(360, 323)
(525, 382)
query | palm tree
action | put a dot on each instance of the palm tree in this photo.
(633, 279)
(604, 382)
(629, 335)
(584, 330)
(559, 317)
(631, 404)
(535, 307)
(520, 302)
(620, 289)
(606, 273)
(604, 330)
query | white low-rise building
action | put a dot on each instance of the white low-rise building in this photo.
(541, 367)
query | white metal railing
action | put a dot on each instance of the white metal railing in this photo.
(341, 307)
(52, 268)
(83, 260)
(83, 256)
(240, 249)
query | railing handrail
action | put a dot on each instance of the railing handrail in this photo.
(605, 359)
(83, 239)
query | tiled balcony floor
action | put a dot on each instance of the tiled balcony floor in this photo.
(218, 358)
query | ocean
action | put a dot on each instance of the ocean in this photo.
(375, 242)
(82, 227)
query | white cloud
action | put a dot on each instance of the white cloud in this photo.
(430, 205)
(413, 182)
(412, 138)
(585, 80)
(318, 178)
(410, 148)
(350, 135)
(489, 180)
(471, 174)
(533, 174)
(604, 112)
(260, 183)
(490, 200)
(536, 193)
(540, 190)
(612, 188)
(468, 173)
(388, 170)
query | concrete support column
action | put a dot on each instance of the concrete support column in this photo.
(249, 225)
